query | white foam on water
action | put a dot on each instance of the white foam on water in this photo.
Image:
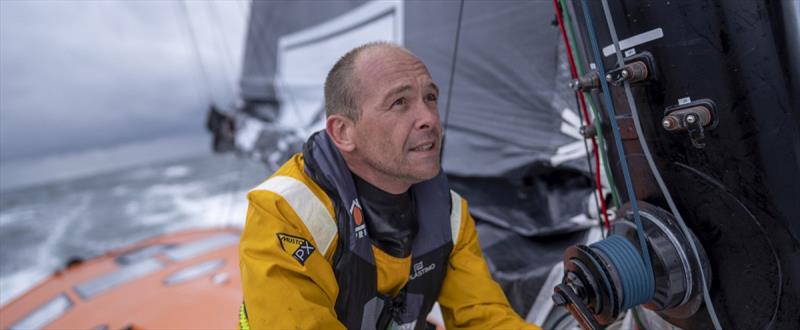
(13, 285)
(46, 258)
(191, 206)
(158, 218)
(156, 204)
(223, 209)
(7, 217)
(177, 171)
(166, 190)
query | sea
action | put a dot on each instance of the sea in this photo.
(45, 225)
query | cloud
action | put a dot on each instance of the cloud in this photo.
(88, 74)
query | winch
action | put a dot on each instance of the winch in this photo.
(604, 279)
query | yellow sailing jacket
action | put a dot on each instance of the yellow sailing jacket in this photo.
(290, 284)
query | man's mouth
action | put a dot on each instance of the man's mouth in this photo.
(423, 147)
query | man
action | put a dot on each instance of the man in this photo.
(361, 229)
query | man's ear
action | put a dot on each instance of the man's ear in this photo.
(341, 130)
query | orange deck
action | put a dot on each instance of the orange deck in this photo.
(128, 288)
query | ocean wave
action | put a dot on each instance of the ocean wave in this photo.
(17, 283)
(45, 226)
(8, 217)
(177, 171)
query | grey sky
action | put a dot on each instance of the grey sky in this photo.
(79, 75)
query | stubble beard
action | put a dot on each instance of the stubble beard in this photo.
(402, 171)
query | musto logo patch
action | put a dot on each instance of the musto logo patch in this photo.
(299, 248)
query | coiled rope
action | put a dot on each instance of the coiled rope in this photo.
(637, 280)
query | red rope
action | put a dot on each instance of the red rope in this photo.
(585, 114)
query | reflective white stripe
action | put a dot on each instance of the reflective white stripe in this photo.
(307, 206)
(455, 215)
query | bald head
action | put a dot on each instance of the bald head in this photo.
(342, 84)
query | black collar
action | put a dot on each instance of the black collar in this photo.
(391, 219)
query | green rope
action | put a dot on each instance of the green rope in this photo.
(243, 323)
(593, 107)
(603, 158)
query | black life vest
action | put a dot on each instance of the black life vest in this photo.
(359, 305)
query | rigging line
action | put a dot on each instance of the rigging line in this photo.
(453, 69)
(216, 20)
(594, 191)
(213, 18)
(580, 54)
(656, 173)
(572, 69)
(609, 105)
(244, 10)
(185, 10)
(260, 39)
(587, 120)
(598, 193)
(247, 13)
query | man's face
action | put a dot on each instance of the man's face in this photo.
(398, 135)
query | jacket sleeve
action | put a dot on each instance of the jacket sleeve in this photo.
(279, 290)
(470, 298)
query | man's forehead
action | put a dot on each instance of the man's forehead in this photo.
(384, 59)
(379, 51)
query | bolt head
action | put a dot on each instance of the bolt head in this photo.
(609, 78)
(691, 119)
(667, 123)
(625, 73)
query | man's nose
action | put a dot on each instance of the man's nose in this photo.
(428, 116)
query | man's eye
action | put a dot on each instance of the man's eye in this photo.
(400, 102)
(432, 97)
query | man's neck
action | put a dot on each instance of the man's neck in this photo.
(377, 195)
(375, 178)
